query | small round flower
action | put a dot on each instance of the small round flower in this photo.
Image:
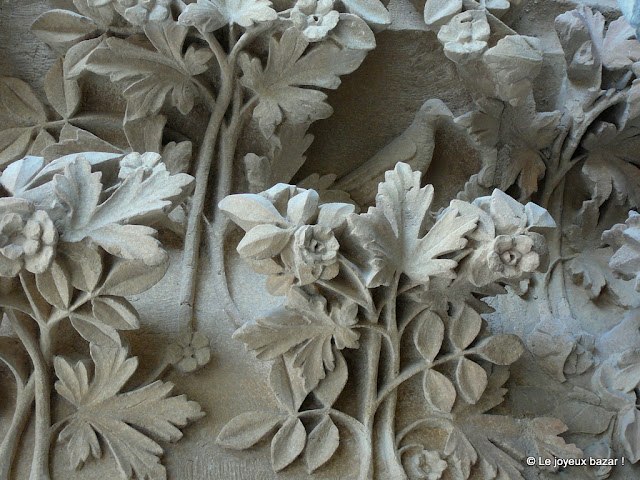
(465, 36)
(190, 352)
(313, 254)
(425, 465)
(27, 238)
(314, 18)
(139, 12)
(513, 255)
(136, 161)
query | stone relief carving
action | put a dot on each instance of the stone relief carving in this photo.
(418, 330)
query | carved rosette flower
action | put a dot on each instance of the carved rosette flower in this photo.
(425, 465)
(513, 255)
(465, 36)
(139, 12)
(290, 235)
(27, 238)
(314, 18)
(313, 254)
(190, 352)
(135, 161)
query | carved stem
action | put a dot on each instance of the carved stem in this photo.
(386, 426)
(40, 461)
(205, 157)
(9, 445)
(218, 228)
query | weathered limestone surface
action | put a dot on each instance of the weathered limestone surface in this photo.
(245, 239)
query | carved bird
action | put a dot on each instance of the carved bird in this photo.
(414, 146)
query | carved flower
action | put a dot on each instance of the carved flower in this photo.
(27, 238)
(313, 254)
(290, 236)
(425, 465)
(135, 161)
(314, 18)
(190, 352)
(465, 36)
(139, 12)
(513, 255)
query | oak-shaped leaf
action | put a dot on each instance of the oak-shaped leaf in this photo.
(305, 332)
(322, 443)
(247, 429)
(211, 15)
(119, 418)
(152, 75)
(393, 232)
(287, 443)
(279, 84)
(114, 223)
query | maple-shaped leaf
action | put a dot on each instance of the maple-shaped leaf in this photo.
(210, 15)
(393, 232)
(305, 332)
(611, 165)
(114, 223)
(619, 47)
(152, 74)
(496, 445)
(279, 85)
(530, 132)
(120, 418)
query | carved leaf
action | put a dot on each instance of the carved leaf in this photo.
(63, 95)
(136, 199)
(131, 277)
(116, 417)
(471, 379)
(150, 77)
(438, 12)
(115, 312)
(393, 230)
(304, 330)
(19, 99)
(247, 429)
(85, 265)
(210, 15)
(371, 11)
(611, 164)
(464, 326)
(287, 387)
(288, 443)
(14, 143)
(61, 27)
(278, 85)
(330, 387)
(55, 285)
(620, 48)
(438, 391)
(429, 334)
(501, 349)
(322, 444)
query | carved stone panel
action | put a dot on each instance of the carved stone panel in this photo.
(255, 239)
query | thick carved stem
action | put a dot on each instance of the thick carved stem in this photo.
(40, 461)
(9, 445)
(203, 169)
